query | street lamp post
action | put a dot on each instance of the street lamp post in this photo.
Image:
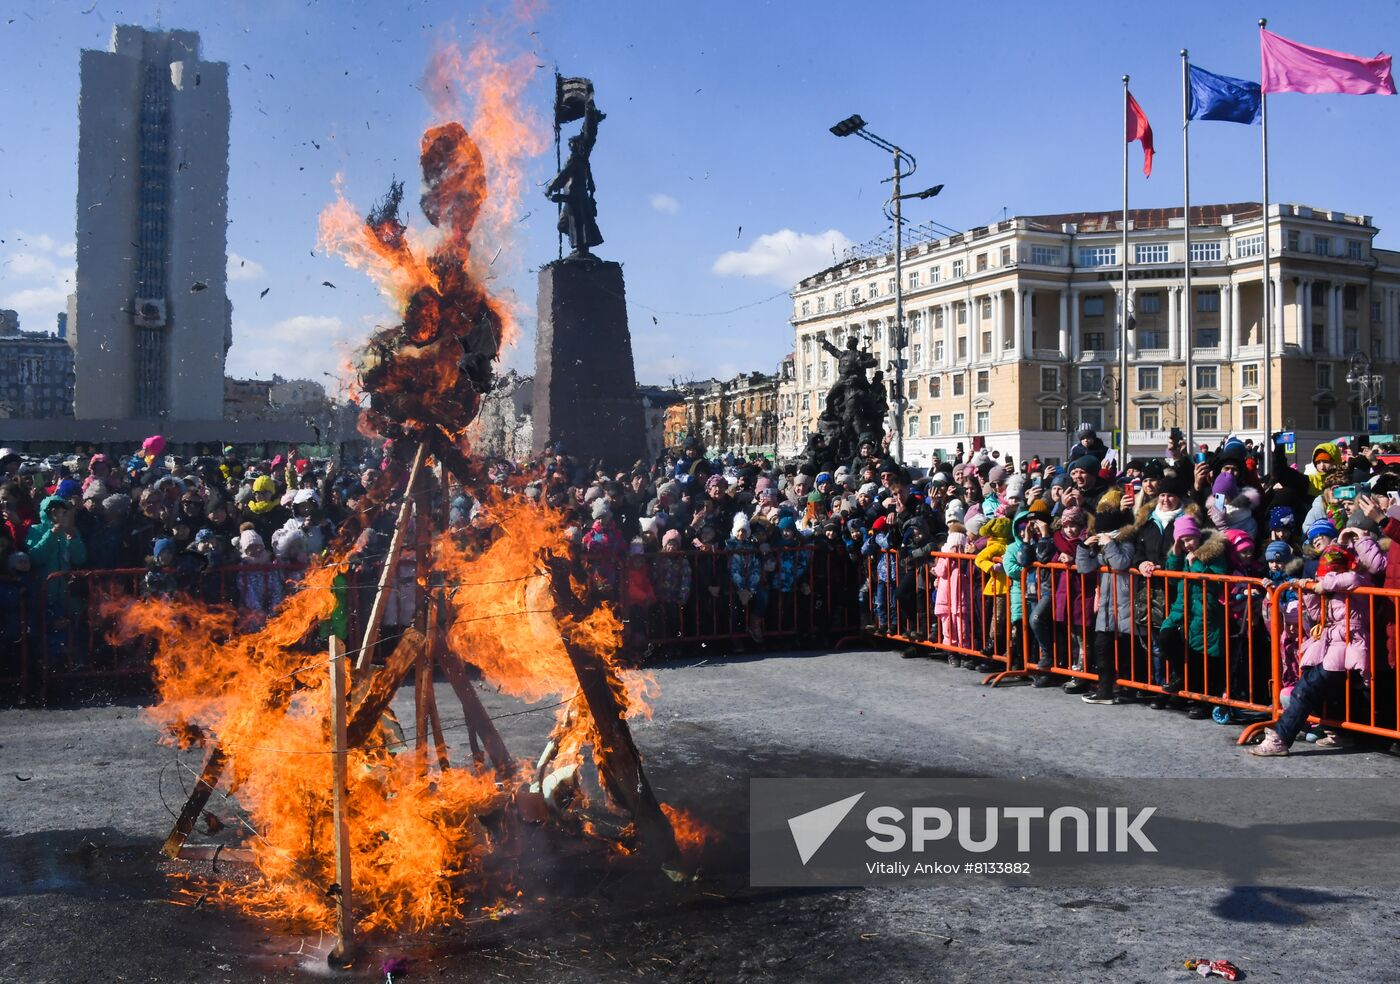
(1364, 383)
(856, 125)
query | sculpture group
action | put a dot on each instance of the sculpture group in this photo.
(855, 410)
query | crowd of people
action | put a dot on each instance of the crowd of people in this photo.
(993, 560)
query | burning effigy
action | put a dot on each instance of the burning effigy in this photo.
(352, 818)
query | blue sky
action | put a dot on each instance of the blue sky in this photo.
(719, 184)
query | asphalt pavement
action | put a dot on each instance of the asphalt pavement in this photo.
(87, 794)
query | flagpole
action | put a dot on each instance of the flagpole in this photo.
(1185, 321)
(1123, 314)
(1267, 378)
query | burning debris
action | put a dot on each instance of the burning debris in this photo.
(350, 820)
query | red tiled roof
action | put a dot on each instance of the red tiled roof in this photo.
(1147, 218)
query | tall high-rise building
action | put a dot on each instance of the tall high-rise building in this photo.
(153, 320)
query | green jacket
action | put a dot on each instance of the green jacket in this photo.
(52, 551)
(1199, 609)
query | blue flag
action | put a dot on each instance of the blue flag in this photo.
(1219, 97)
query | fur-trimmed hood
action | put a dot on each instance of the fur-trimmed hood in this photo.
(1213, 547)
(1144, 513)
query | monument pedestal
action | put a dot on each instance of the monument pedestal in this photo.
(585, 385)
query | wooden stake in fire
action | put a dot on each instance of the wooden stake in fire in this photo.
(343, 953)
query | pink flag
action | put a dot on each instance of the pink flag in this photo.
(1288, 66)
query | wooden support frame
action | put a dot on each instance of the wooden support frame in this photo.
(344, 950)
(391, 564)
(214, 761)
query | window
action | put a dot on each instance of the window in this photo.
(1319, 338)
(877, 330)
(1207, 377)
(1319, 295)
(825, 369)
(806, 401)
(1205, 252)
(806, 308)
(1324, 418)
(889, 288)
(1094, 341)
(935, 387)
(959, 384)
(1006, 256)
(1151, 338)
(1293, 240)
(1049, 379)
(1091, 379)
(1324, 375)
(913, 389)
(1208, 301)
(938, 352)
(1353, 249)
(916, 355)
(1149, 303)
(807, 375)
(1322, 245)
(1349, 297)
(1149, 378)
(987, 343)
(1093, 306)
(1251, 246)
(1249, 375)
(962, 348)
(913, 279)
(1375, 310)
(821, 303)
(1095, 256)
(1153, 253)
(957, 269)
(984, 307)
(938, 317)
(913, 427)
(981, 262)
(1049, 418)
(984, 421)
(934, 274)
(1207, 418)
(873, 291)
(935, 425)
(1045, 256)
(962, 312)
(1093, 416)
(1149, 418)
(1207, 336)
(1351, 338)
(855, 296)
(984, 381)
(1249, 416)
(959, 423)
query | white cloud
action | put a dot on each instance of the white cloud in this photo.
(36, 276)
(302, 346)
(242, 268)
(35, 266)
(784, 257)
(40, 303)
(665, 203)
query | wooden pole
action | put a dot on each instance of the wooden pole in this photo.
(214, 761)
(391, 563)
(343, 953)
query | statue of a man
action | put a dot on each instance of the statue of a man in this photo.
(573, 187)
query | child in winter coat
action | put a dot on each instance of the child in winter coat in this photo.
(1338, 644)
(1194, 629)
(1111, 548)
(1073, 593)
(952, 604)
(793, 590)
(996, 587)
(1283, 567)
(160, 581)
(260, 590)
(746, 575)
(879, 545)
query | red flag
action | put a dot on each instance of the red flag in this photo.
(1139, 129)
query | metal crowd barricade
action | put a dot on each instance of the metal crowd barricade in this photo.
(16, 627)
(941, 603)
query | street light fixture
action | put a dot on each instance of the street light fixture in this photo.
(855, 125)
(1364, 382)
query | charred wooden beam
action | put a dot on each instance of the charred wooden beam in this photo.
(391, 563)
(214, 761)
(478, 721)
(621, 763)
(372, 696)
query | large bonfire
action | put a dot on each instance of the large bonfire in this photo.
(420, 830)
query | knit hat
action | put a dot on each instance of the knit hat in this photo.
(162, 545)
(1173, 485)
(95, 490)
(842, 474)
(593, 494)
(1059, 481)
(1320, 527)
(601, 509)
(998, 528)
(306, 495)
(1015, 487)
(869, 488)
(1329, 451)
(1073, 516)
(670, 537)
(1238, 539)
(879, 524)
(117, 502)
(997, 474)
(68, 489)
(954, 511)
(1086, 462)
(787, 523)
(741, 524)
(1281, 518)
(1360, 521)
(1278, 550)
(823, 477)
(1231, 450)
(1251, 497)
(153, 445)
(1039, 509)
(264, 483)
(1185, 526)
(1226, 485)
(1334, 559)
(716, 483)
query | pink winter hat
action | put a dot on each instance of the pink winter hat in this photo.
(153, 445)
(1185, 526)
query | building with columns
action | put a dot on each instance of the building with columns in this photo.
(738, 415)
(1014, 328)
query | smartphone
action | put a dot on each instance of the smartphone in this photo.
(1202, 457)
(1345, 493)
